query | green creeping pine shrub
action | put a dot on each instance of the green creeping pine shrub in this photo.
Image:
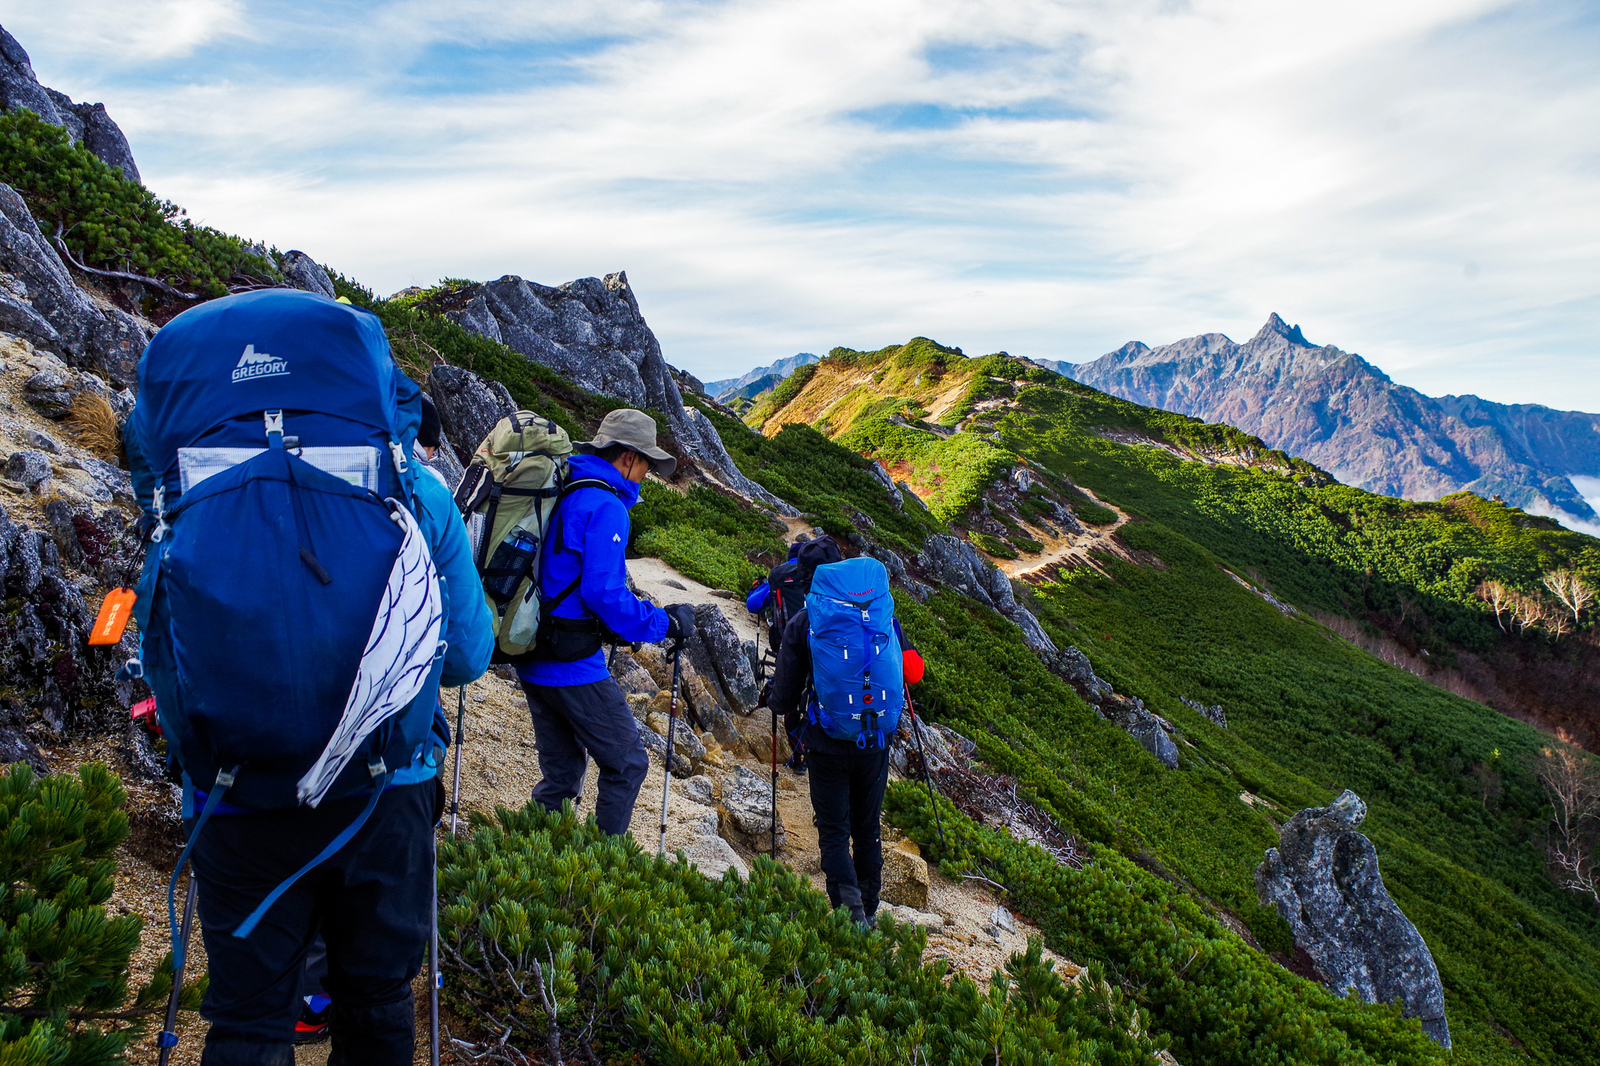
(994, 545)
(1308, 714)
(586, 947)
(716, 539)
(63, 961)
(957, 468)
(1221, 1001)
(113, 223)
(825, 480)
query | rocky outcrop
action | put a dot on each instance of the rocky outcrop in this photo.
(47, 573)
(746, 806)
(1149, 729)
(1323, 879)
(1340, 412)
(87, 123)
(40, 302)
(959, 565)
(591, 331)
(469, 405)
(303, 272)
(717, 652)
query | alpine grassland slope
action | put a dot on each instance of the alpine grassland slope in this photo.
(1456, 812)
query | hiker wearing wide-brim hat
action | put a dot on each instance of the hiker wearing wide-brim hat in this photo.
(578, 711)
(627, 429)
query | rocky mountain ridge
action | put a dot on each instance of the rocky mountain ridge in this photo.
(1335, 409)
(752, 382)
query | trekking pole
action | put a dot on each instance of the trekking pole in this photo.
(435, 978)
(927, 771)
(455, 784)
(774, 711)
(169, 1033)
(672, 729)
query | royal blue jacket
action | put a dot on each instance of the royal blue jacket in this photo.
(591, 540)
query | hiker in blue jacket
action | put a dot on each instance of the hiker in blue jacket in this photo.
(370, 895)
(577, 709)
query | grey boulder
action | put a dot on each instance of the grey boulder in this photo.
(746, 807)
(303, 272)
(717, 652)
(591, 331)
(30, 467)
(957, 564)
(1323, 879)
(469, 405)
(41, 303)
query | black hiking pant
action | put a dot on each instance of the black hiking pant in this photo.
(370, 901)
(573, 723)
(847, 796)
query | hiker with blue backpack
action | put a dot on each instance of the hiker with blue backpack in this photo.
(304, 595)
(578, 711)
(844, 664)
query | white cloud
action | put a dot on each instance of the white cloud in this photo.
(121, 32)
(1413, 180)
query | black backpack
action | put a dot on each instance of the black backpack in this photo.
(790, 581)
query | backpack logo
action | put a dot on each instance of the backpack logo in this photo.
(254, 364)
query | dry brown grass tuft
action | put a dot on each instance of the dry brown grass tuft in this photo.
(94, 425)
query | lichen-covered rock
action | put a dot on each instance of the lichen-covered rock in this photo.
(303, 272)
(591, 331)
(29, 467)
(469, 405)
(718, 653)
(1144, 726)
(958, 564)
(41, 303)
(746, 807)
(49, 393)
(1323, 879)
(1074, 667)
(905, 876)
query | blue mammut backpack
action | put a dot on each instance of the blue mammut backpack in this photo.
(289, 610)
(856, 669)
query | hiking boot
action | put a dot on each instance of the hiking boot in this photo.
(315, 1016)
(858, 914)
(797, 762)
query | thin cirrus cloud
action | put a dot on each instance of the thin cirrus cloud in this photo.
(1412, 180)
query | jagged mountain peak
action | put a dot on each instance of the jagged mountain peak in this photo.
(1277, 327)
(1347, 416)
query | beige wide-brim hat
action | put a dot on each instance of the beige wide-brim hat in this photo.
(631, 429)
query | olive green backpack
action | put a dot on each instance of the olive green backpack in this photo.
(507, 498)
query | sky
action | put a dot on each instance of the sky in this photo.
(1412, 180)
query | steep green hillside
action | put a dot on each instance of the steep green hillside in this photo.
(1455, 811)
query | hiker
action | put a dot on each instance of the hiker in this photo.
(309, 797)
(787, 585)
(577, 709)
(843, 664)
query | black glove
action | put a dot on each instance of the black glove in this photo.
(680, 623)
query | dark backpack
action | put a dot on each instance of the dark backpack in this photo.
(289, 610)
(791, 580)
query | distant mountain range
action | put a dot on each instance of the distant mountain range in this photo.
(1340, 412)
(759, 380)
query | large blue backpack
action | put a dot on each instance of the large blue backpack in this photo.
(857, 679)
(289, 610)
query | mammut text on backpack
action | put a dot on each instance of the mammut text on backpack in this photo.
(856, 667)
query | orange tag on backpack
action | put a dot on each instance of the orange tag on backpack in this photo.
(114, 615)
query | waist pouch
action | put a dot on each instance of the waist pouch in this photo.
(566, 640)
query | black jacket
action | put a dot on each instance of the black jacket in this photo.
(791, 680)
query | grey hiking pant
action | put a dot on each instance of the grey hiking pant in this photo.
(573, 723)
